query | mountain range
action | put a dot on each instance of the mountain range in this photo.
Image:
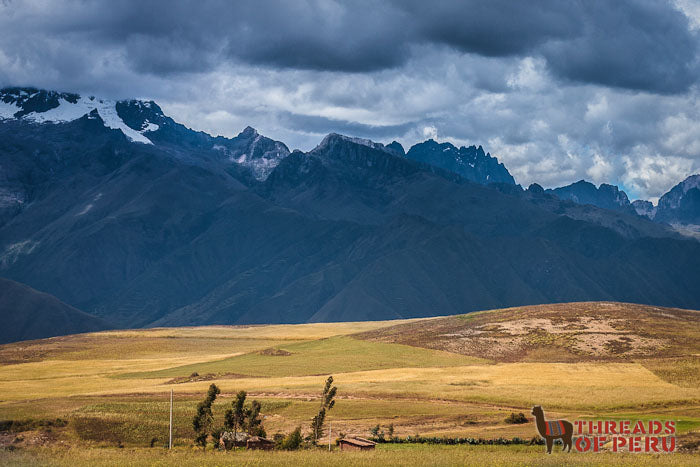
(119, 211)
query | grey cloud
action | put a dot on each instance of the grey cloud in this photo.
(558, 91)
(493, 28)
(323, 125)
(632, 44)
(644, 45)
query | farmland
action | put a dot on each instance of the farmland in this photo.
(454, 376)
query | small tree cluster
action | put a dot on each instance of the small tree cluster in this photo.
(203, 420)
(242, 418)
(378, 433)
(327, 403)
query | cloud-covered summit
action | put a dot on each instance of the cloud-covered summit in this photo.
(559, 90)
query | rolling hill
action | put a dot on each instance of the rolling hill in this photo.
(29, 314)
(563, 332)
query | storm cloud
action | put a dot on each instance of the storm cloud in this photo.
(559, 91)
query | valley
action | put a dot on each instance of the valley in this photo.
(447, 377)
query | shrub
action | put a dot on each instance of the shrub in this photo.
(516, 419)
(292, 441)
(17, 426)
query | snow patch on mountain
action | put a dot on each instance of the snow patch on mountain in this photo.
(15, 250)
(149, 126)
(644, 208)
(8, 110)
(250, 149)
(85, 210)
(68, 111)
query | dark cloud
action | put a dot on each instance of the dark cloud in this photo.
(643, 45)
(634, 44)
(559, 90)
(493, 28)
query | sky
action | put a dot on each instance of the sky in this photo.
(559, 91)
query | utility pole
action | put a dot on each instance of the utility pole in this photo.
(170, 443)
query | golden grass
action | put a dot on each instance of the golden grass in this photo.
(115, 385)
(385, 455)
(308, 331)
(684, 372)
(590, 386)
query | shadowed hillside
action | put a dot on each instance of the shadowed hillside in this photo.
(29, 314)
(143, 222)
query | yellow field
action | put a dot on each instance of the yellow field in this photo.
(384, 455)
(112, 388)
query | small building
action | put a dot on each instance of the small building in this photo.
(229, 441)
(356, 444)
(258, 442)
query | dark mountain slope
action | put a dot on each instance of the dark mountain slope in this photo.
(681, 205)
(471, 162)
(175, 232)
(29, 314)
(606, 196)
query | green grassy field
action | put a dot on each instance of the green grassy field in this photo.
(429, 377)
(323, 356)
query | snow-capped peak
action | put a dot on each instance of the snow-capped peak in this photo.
(51, 107)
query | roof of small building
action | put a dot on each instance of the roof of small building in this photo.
(228, 435)
(260, 439)
(358, 441)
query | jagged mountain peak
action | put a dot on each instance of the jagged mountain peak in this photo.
(681, 205)
(248, 132)
(605, 196)
(470, 162)
(335, 138)
(396, 147)
(253, 150)
(141, 121)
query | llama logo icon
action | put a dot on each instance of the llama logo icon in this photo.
(553, 429)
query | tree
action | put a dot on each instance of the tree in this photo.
(327, 403)
(203, 419)
(245, 419)
(253, 423)
(234, 418)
